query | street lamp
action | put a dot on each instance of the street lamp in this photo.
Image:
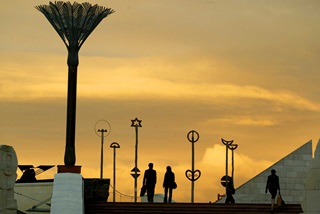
(115, 146)
(136, 123)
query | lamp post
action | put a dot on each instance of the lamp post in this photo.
(192, 174)
(115, 146)
(136, 123)
(74, 23)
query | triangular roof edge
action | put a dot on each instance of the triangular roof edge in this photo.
(306, 144)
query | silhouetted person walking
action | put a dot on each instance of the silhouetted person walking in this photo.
(230, 191)
(150, 180)
(168, 184)
(273, 186)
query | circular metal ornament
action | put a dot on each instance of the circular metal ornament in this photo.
(101, 124)
(191, 136)
(224, 180)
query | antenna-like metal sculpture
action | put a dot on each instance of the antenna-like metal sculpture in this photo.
(100, 130)
(192, 174)
(115, 146)
(136, 123)
(229, 145)
(74, 23)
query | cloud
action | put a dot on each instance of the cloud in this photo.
(245, 167)
(244, 121)
(146, 78)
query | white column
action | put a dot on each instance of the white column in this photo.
(67, 194)
(310, 203)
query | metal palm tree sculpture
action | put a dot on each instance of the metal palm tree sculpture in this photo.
(74, 23)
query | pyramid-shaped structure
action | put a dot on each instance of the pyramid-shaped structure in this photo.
(292, 171)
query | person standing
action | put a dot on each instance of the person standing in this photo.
(168, 184)
(150, 180)
(273, 186)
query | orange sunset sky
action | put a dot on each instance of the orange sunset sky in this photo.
(242, 70)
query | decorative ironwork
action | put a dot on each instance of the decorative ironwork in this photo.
(115, 146)
(29, 172)
(74, 23)
(137, 124)
(229, 145)
(102, 124)
(192, 174)
(102, 132)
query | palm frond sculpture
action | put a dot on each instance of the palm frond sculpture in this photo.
(74, 23)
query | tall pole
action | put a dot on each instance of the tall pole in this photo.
(100, 130)
(192, 168)
(232, 163)
(101, 160)
(74, 23)
(227, 165)
(192, 174)
(136, 167)
(227, 144)
(115, 146)
(232, 147)
(136, 123)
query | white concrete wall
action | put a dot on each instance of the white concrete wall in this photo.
(31, 194)
(310, 203)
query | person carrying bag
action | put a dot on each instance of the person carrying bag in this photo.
(168, 184)
(273, 186)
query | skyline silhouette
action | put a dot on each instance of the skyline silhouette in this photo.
(246, 71)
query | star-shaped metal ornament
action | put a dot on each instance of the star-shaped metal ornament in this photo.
(136, 123)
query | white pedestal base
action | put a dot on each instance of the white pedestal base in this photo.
(67, 194)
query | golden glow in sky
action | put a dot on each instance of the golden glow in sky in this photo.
(244, 70)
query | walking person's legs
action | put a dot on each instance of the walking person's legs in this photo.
(170, 195)
(165, 194)
(151, 194)
(273, 197)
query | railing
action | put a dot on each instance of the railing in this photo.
(35, 208)
(120, 197)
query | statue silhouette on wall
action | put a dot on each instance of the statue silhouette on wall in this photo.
(8, 176)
